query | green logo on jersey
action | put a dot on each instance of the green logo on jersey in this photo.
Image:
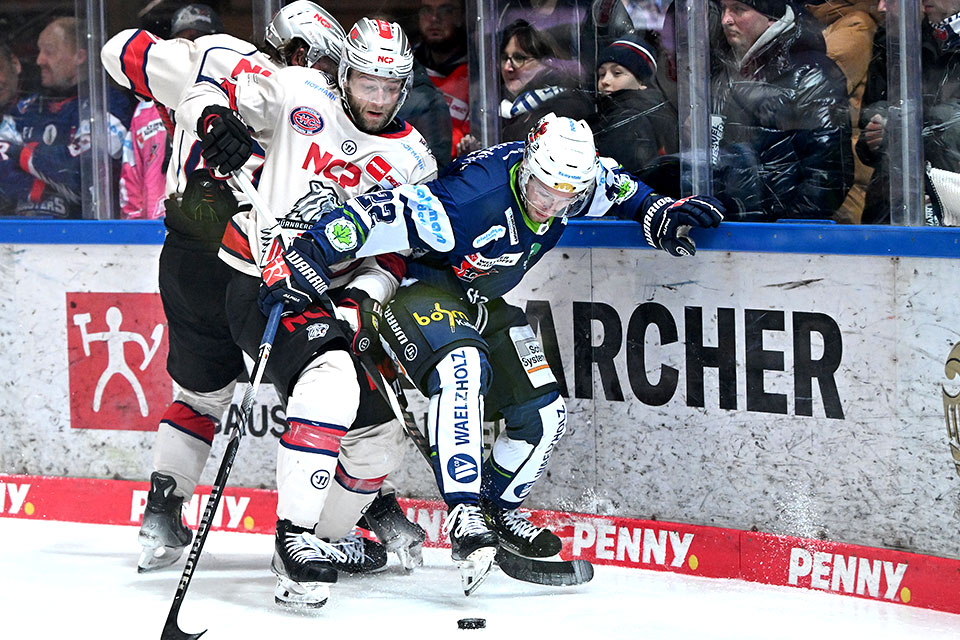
(342, 234)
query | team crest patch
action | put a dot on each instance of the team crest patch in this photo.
(306, 121)
(315, 331)
(342, 234)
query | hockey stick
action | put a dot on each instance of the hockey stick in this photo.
(171, 630)
(370, 368)
(547, 572)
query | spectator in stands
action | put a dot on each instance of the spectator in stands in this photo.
(633, 122)
(848, 29)
(42, 172)
(780, 117)
(195, 20)
(533, 85)
(443, 53)
(426, 109)
(579, 28)
(940, 93)
(10, 70)
(146, 147)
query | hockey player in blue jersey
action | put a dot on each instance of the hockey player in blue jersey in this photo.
(473, 234)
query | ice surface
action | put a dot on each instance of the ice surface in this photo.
(65, 580)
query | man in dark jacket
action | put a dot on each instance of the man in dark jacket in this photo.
(780, 124)
(427, 111)
(940, 90)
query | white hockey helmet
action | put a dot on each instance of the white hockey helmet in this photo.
(378, 48)
(310, 22)
(561, 154)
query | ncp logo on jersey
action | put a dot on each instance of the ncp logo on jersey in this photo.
(117, 347)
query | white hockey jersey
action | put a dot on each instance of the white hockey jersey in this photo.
(316, 158)
(164, 70)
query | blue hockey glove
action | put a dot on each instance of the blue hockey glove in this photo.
(224, 138)
(293, 279)
(666, 222)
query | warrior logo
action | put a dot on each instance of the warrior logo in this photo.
(951, 405)
(320, 479)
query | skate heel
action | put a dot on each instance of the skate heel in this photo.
(475, 569)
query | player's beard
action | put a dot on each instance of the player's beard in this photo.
(364, 121)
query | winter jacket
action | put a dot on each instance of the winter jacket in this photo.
(451, 78)
(781, 127)
(634, 127)
(550, 90)
(427, 111)
(848, 29)
(940, 89)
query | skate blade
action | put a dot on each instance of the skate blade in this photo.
(475, 569)
(410, 557)
(152, 558)
(301, 595)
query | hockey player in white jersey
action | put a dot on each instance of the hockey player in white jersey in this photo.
(323, 146)
(203, 359)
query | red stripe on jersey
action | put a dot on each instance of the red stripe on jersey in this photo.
(407, 128)
(236, 242)
(347, 269)
(183, 418)
(314, 436)
(357, 485)
(36, 191)
(133, 62)
(26, 154)
(393, 263)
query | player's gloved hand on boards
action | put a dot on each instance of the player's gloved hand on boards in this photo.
(292, 279)
(666, 222)
(362, 313)
(225, 141)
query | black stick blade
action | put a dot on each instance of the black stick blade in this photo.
(172, 631)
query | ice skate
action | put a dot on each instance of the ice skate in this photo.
(400, 536)
(162, 532)
(304, 567)
(474, 545)
(362, 555)
(519, 535)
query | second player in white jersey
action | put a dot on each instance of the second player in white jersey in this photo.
(322, 158)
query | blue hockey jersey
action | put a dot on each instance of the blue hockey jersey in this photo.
(467, 231)
(41, 166)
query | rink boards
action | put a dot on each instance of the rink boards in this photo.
(796, 394)
(873, 574)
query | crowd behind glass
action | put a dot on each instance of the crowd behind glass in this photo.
(800, 117)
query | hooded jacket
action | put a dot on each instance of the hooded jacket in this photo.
(781, 127)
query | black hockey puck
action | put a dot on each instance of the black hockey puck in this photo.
(472, 623)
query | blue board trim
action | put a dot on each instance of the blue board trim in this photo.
(922, 242)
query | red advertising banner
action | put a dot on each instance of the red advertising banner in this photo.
(117, 346)
(877, 574)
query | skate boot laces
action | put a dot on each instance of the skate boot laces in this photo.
(305, 547)
(351, 547)
(518, 522)
(468, 520)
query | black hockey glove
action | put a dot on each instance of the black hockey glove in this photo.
(362, 315)
(224, 138)
(293, 279)
(666, 222)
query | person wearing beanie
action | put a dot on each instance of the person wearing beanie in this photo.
(195, 20)
(633, 122)
(780, 118)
